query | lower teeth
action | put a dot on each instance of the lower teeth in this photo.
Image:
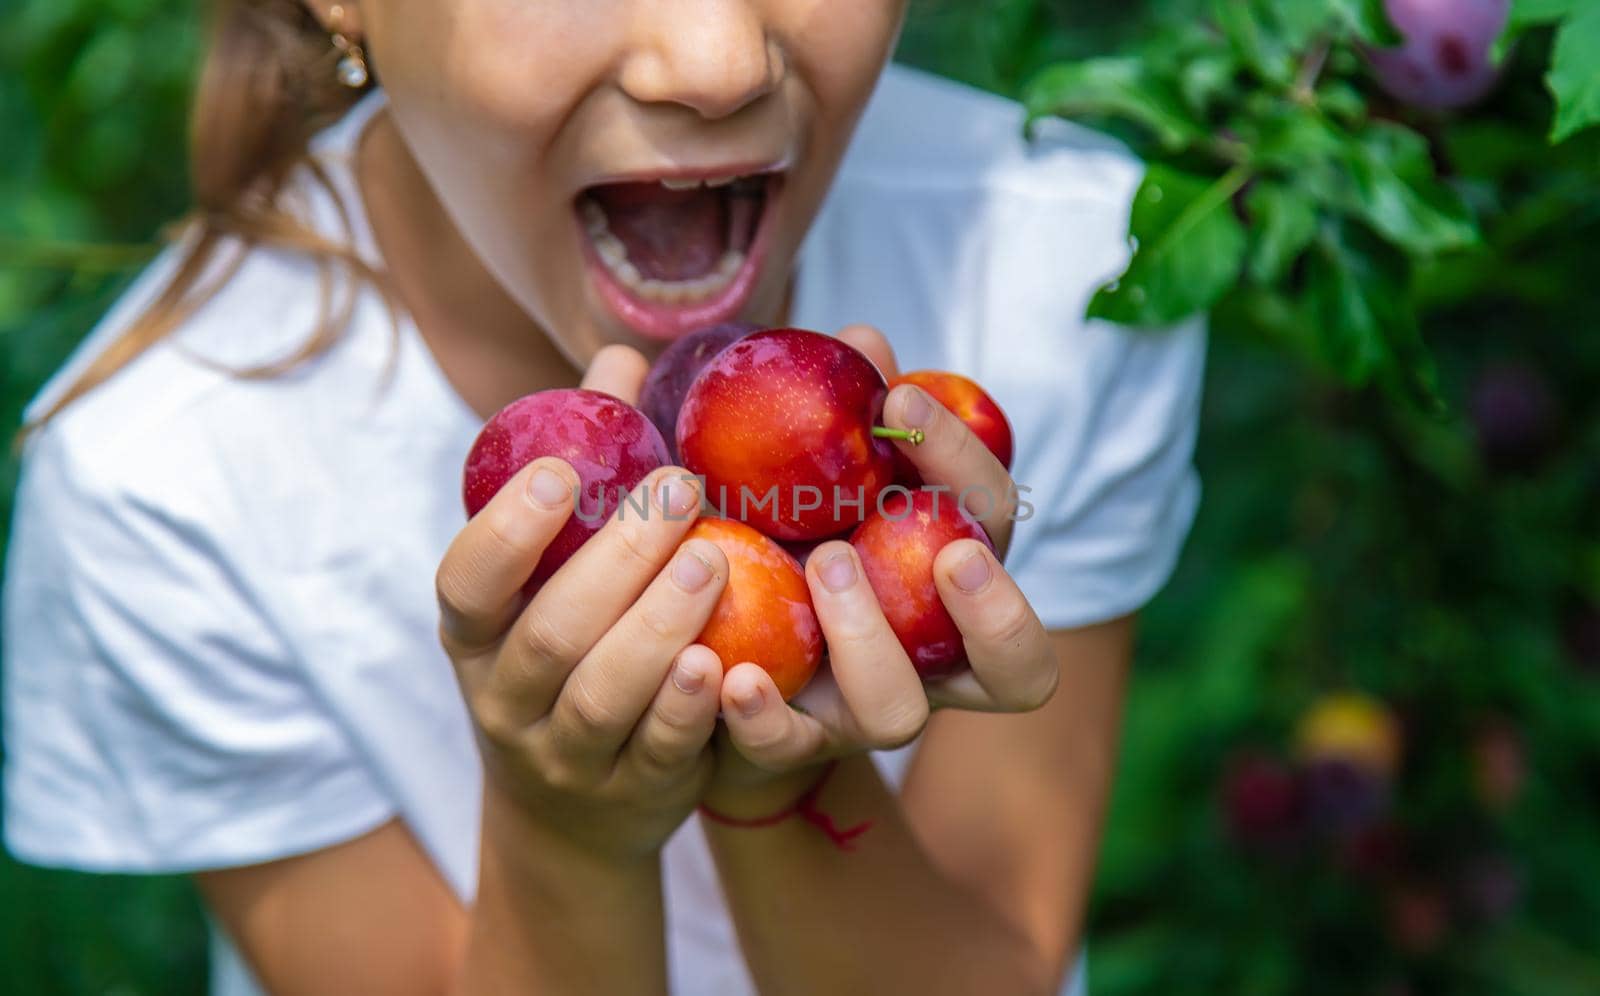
(614, 255)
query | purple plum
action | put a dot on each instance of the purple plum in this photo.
(610, 444)
(1443, 62)
(667, 383)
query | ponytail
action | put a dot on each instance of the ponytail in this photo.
(266, 87)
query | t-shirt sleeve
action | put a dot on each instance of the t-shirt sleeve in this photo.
(1113, 485)
(154, 719)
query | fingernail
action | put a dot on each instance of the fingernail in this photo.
(677, 496)
(547, 488)
(838, 572)
(972, 574)
(691, 572)
(916, 411)
(687, 679)
(748, 700)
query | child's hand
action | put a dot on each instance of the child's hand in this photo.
(870, 696)
(593, 705)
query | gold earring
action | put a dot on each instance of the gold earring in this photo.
(352, 67)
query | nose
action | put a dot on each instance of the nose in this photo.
(713, 56)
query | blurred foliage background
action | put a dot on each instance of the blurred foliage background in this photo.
(1362, 752)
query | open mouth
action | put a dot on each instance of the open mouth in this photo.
(672, 255)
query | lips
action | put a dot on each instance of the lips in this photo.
(673, 254)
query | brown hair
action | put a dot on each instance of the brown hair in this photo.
(266, 86)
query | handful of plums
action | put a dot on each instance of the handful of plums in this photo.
(780, 427)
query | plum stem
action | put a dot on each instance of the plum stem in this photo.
(1304, 91)
(912, 436)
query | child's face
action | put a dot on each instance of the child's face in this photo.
(546, 127)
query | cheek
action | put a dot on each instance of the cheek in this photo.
(840, 47)
(506, 62)
(480, 89)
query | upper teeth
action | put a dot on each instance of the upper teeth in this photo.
(614, 254)
(690, 183)
(594, 218)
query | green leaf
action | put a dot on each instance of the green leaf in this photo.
(1253, 38)
(1298, 23)
(1348, 314)
(1113, 88)
(1358, 289)
(1368, 20)
(1340, 100)
(1189, 249)
(1276, 38)
(1390, 185)
(1205, 79)
(1403, 150)
(1524, 12)
(1574, 76)
(1284, 220)
(1290, 140)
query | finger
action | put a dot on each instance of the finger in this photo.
(885, 696)
(1013, 663)
(618, 371)
(480, 578)
(872, 342)
(676, 731)
(950, 455)
(592, 590)
(763, 727)
(603, 696)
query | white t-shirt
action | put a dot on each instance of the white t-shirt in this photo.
(219, 612)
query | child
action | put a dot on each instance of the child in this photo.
(249, 635)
